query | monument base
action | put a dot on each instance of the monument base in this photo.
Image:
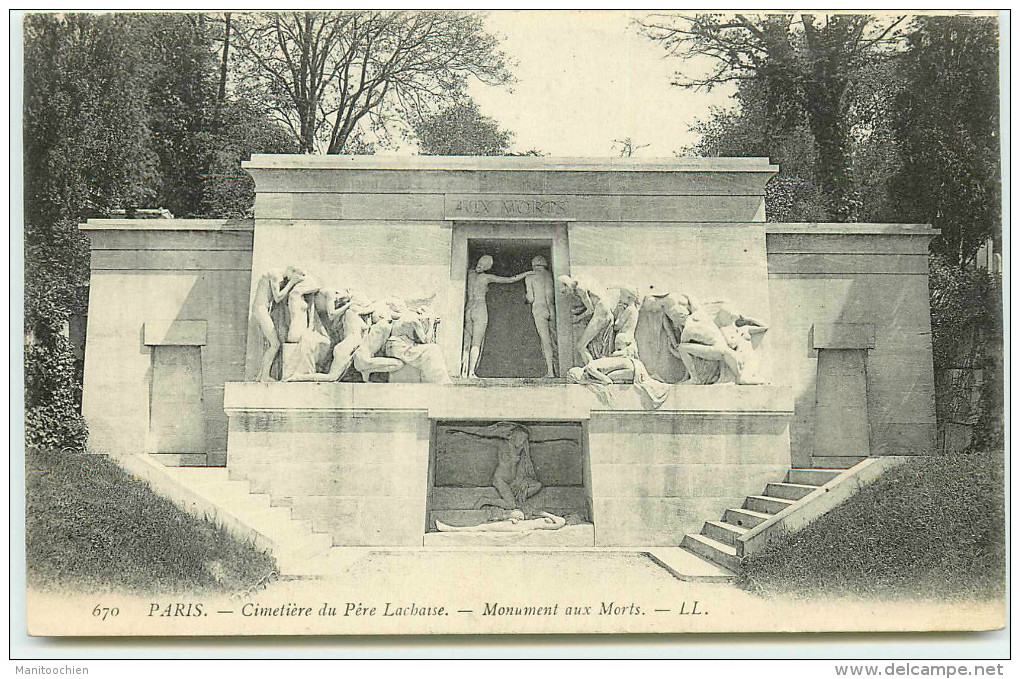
(359, 460)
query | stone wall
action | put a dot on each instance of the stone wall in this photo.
(354, 458)
(855, 287)
(400, 226)
(163, 283)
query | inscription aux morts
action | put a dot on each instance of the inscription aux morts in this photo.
(503, 207)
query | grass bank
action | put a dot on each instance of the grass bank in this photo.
(91, 527)
(933, 528)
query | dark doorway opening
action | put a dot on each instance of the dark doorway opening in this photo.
(512, 347)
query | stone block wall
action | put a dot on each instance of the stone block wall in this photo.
(658, 477)
(847, 287)
(360, 476)
(163, 284)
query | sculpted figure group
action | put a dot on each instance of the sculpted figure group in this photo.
(664, 338)
(712, 341)
(373, 335)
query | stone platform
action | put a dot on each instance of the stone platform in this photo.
(358, 460)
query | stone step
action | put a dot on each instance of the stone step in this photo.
(788, 491)
(200, 474)
(745, 518)
(683, 564)
(306, 545)
(244, 504)
(767, 505)
(726, 533)
(718, 553)
(273, 522)
(181, 459)
(811, 477)
(836, 462)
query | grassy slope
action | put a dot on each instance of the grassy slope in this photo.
(932, 528)
(92, 527)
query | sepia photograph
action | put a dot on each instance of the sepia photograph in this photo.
(485, 324)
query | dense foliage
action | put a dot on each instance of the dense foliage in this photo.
(121, 112)
(883, 119)
(461, 130)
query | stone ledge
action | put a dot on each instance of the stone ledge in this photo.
(850, 229)
(551, 402)
(247, 225)
(843, 336)
(512, 163)
(175, 333)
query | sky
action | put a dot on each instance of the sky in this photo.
(587, 78)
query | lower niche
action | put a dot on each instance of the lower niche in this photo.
(500, 483)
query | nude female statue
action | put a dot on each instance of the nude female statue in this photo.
(541, 295)
(597, 311)
(354, 327)
(365, 360)
(515, 524)
(476, 318)
(703, 337)
(272, 288)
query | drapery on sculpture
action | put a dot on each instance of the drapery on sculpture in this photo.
(515, 523)
(376, 336)
(713, 342)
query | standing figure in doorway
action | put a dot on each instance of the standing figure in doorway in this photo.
(476, 318)
(541, 295)
(272, 288)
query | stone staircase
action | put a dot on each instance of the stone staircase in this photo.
(292, 541)
(719, 541)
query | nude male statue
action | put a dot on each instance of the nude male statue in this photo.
(598, 312)
(272, 288)
(541, 295)
(476, 318)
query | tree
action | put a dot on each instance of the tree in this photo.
(806, 66)
(120, 112)
(946, 126)
(323, 73)
(461, 130)
(626, 147)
